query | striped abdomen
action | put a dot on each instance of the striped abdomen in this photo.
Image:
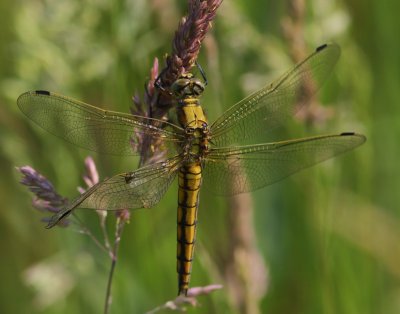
(188, 200)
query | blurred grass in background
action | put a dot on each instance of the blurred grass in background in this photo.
(329, 235)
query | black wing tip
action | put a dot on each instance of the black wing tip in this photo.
(53, 222)
(361, 137)
(42, 92)
(351, 134)
(50, 225)
(56, 218)
(320, 48)
(331, 46)
(21, 99)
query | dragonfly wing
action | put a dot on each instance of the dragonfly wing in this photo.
(93, 128)
(270, 106)
(142, 188)
(235, 170)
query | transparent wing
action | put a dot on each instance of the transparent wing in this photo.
(93, 128)
(235, 170)
(265, 109)
(142, 188)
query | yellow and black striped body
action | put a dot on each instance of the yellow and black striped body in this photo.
(192, 118)
(188, 199)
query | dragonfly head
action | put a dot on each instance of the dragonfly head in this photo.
(187, 86)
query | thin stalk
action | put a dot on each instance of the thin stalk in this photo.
(103, 228)
(114, 255)
(84, 230)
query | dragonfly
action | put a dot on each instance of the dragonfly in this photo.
(230, 154)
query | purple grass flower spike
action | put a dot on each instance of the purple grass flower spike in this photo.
(46, 198)
(185, 48)
(186, 45)
(146, 107)
(152, 151)
(180, 302)
(124, 215)
(92, 176)
(188, 38)
(197, 291)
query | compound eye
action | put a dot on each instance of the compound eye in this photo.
(197, 90)
(179, 86)
(198, 87)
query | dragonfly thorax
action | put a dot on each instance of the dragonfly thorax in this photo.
(196, 144)
(192, 119)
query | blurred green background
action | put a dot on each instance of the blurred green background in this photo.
(328, 236)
